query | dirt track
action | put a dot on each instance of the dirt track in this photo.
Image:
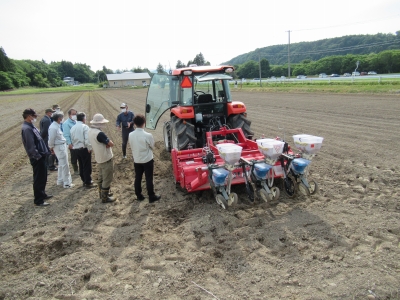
(343, 243)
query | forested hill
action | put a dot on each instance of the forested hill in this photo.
(350, 44)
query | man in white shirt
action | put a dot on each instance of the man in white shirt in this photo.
(57, 145)
(142, 145)
(83, 149)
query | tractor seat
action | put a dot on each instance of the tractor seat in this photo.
(204, 98)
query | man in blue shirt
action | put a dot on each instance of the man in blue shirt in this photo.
(125, 124)
(37, 151)
(66, 128)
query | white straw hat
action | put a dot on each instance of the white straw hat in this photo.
(98, 119)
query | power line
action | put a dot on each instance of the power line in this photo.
(348, 24)
(335, 50)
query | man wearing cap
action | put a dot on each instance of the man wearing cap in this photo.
(45, 123)
(83, 149)
(57, 144)
(125, 124)
(103, 155)
(37, 151)
(66, 128)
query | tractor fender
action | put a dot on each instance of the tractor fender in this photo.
(183, 112)
(236, 107)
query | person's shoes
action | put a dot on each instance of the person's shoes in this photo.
(89, 185)
(42, 204)
(104, 196)
(68, 186)
(54, 169)
(48, 196)
(154, 198)
(140, 197)
(124, 156)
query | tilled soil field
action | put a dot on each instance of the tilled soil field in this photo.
(343, 243)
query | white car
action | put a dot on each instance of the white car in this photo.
(301, 76)
(323, 75)
(372, 73)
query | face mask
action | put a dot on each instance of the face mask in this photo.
(73, 117)
(34, 120)
(62, 121)
(123, 110)
(57, 110)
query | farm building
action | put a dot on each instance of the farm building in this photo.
(70, 81)
(128, 79)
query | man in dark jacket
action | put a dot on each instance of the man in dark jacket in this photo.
(125, 124)
(37, 151)
(45, 123)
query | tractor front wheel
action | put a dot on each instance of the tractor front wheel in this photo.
(167, 135)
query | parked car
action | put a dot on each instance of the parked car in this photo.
(372, 73)
(323, 75)
(335, 75)
(363, 73)
(301, 76)
(256, 80)
(355, 74)
(346, 74)
(283, 77)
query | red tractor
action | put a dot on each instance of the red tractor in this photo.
(209, 135)
(199, 101)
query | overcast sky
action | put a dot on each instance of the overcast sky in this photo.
(122, 34)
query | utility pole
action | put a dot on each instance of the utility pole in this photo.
(259, 67)
(288, 49)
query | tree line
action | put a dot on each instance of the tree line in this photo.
(20, 73)
(383, 62)
(316, 50)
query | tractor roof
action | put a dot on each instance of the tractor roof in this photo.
(204, 69)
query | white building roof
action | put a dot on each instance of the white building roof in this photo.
(128, 76)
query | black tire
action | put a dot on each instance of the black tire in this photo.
(240, 121)
(289, 186)
(182, 134)
(167, 136)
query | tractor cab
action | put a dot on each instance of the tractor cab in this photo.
(199, 100)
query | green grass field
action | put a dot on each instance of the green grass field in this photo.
(391, 86)
(63, 89)
(386, 86)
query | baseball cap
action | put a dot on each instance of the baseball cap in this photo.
(123, 105)
(30, 111)
(49, 110)
(98, 119)
(56, 106)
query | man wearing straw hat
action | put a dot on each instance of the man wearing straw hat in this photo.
(103, 155)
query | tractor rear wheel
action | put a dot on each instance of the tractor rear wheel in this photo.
(182, 133)
(240, 121)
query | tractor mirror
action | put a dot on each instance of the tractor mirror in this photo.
(148, 108)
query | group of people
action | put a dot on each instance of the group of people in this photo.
(57, 135)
